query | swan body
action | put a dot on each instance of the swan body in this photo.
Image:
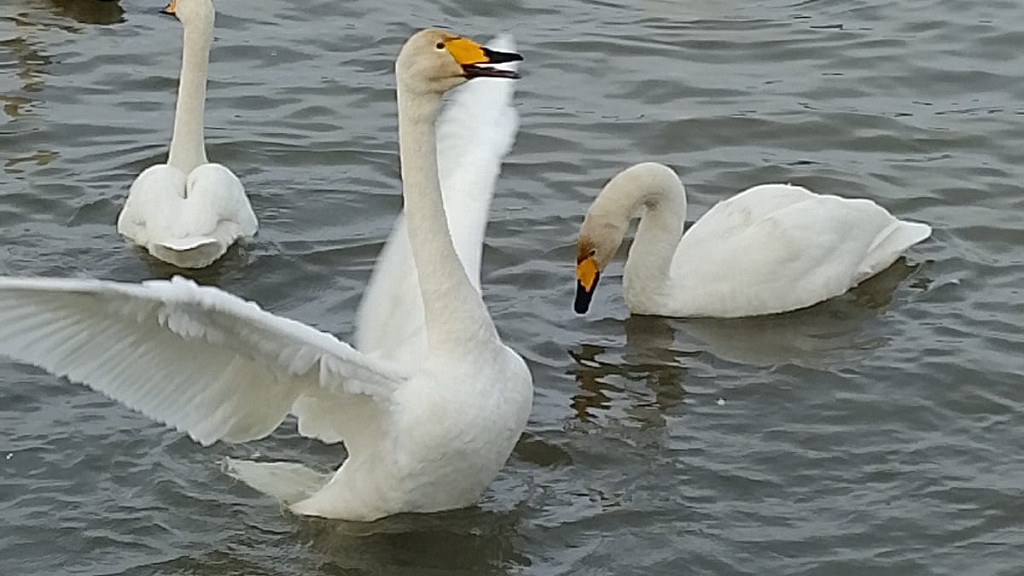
(420, 437)
(769, 249)
(189, 211)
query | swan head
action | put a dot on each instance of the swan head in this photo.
(190, 10)
(644, 186)
(599, 240)
(435, 61)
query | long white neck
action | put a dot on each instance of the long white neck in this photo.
(453, 310)
(188, 148)
(655, 191)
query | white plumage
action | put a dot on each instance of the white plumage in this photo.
(477, 129)
(189, 211)
(193, 357)
(422, 435)
(769, 249)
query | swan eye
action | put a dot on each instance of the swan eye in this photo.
(593, 252)
(439, 45)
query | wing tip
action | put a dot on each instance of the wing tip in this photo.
(505, 42)
(918, 231)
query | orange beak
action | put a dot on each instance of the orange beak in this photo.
(476, 60)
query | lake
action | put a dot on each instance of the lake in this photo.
(881, 432)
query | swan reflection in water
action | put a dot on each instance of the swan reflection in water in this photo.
(32, 19)
(467, 541)
(648, 357)
(81, 11)
(664, 352)
(840, 331)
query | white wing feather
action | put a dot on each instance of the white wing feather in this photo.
(776, 248)
(195, 358)
(748, 207)
(475, 132)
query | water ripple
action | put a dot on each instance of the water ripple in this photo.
(876, 433)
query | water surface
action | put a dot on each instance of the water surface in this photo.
(878, 433)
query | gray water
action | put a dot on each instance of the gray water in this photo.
(878, 433)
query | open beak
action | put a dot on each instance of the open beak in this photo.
(483, 70)
(587, 276)
(478, 61)
(170, 8)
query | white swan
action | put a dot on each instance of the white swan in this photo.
(188, 211)
(474, 134)
(420, 438)
(769, 249)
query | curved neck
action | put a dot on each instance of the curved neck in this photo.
(660, 199)
(188, 148)
(454, 313)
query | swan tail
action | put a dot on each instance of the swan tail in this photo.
(288, 482)
(188, 252)
(891, 243)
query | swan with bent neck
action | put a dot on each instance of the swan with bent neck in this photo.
(420, 437)
(189, 211)
(772, 248)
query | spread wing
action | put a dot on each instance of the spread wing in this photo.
(193, 357)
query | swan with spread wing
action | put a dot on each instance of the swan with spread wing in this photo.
(422, 435)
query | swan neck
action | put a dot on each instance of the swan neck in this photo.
(662, 208)
(188, 149)
(454, 312)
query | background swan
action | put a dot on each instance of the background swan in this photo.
(771, 248)
(420, 438)
(188, 211)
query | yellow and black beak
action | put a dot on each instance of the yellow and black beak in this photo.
(171, 7)
(587, 275)
(477, 61)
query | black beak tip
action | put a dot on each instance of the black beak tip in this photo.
(583, 298)
(496, 57)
